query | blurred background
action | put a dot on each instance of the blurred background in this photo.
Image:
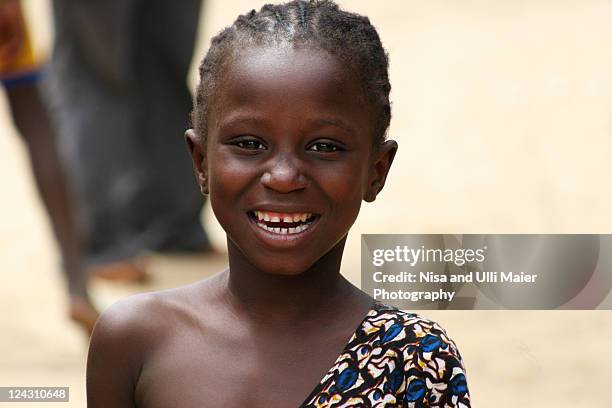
(503, 114)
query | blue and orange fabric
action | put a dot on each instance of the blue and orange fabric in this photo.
(22, 66)
(394, 359)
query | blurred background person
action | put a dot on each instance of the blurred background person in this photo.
(19, 74)
(117, 82)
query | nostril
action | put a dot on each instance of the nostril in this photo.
(284, 180)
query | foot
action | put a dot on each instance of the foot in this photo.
(186, 240)
(83, 313)
(132, 270)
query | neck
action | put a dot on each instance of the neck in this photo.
(266, 296)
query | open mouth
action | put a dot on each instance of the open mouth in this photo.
(283, 223)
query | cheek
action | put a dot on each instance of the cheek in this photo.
(345, 187)
(226, 172)
(227, 180)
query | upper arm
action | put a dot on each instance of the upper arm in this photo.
(115, 356)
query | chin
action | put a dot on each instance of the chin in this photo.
(284, 269)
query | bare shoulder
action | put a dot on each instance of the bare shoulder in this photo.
(130, 323)
(139, 321)
(128, 334)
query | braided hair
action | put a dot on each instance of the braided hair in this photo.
(317, 24)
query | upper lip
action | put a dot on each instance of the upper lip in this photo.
(285, 208)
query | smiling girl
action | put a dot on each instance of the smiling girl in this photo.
(289, 138)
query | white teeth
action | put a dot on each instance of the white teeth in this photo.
(284, 231)
(295, 218)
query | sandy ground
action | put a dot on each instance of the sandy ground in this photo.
(503, 114)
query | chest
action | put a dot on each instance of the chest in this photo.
(236, 369)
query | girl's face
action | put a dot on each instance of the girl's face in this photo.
(289, 156)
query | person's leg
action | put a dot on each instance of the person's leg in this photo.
(121, 132)
(32, 122)
(88, 90)
(161, 61)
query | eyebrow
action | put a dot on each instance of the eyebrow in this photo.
(336, 122)
(243, 119)
(320, 121)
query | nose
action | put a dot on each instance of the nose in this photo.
(284, 175)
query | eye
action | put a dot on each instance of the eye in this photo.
(324, 147)
(250, 144)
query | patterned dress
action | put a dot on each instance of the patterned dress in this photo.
(394, 359)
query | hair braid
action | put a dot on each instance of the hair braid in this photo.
(319, 24)
(302, 13)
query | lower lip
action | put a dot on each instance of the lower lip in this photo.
(282, 240)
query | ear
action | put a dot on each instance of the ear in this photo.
(382, 160)
(198, 157)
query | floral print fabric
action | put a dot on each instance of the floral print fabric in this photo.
(394, 359)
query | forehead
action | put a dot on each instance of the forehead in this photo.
(294, 82)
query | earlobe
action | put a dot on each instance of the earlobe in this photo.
(198, 158)
(372, 192)
(380, 169)
(203, 182)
